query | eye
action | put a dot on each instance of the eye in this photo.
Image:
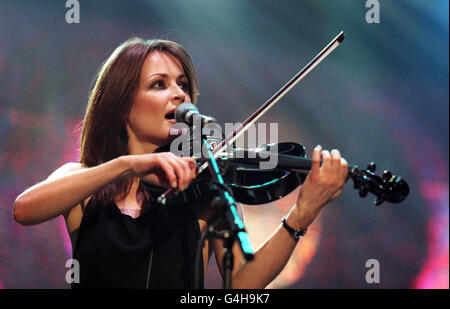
(157, 84)
(183, 84)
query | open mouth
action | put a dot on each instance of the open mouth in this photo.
(170, 116)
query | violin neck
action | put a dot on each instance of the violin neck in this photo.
(302, 165)
(283, 161)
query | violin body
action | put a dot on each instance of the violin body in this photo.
(252, 186)
(248, 183)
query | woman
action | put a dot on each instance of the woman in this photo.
(121, 238)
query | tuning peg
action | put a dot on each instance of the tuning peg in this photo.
(378, 201)
(387, 175)
(372, 167)
(363, 192)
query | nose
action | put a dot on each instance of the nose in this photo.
(178, 95)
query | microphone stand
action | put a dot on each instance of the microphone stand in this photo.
(235, 226)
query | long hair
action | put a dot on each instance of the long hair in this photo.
(103, 135)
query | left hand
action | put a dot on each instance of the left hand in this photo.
(322, 185)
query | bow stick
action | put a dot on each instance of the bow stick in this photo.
(222, 146)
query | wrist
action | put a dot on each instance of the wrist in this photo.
(295, 233)
(298, 218)
(124, 166)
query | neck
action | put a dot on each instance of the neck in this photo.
(141, 148)
(137, 147)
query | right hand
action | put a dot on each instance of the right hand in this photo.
(163, 169)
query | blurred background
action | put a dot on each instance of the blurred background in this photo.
(381, 96)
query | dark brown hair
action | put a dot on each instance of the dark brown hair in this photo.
(103, 135)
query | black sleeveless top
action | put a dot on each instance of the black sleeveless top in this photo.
(155, 250)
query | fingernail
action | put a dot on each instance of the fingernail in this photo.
(318, 147)
(174, 184)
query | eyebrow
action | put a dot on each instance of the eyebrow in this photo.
(164, 75)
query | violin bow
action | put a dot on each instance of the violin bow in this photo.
(278, 95)
(243, 127)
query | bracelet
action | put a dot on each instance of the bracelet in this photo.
(297, 234)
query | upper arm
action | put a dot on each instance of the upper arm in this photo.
(74, 215)
(27, 212)
(64, 170)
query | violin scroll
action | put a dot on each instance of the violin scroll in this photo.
(388, 187)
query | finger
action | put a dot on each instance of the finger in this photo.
(344, 169)
(179, 171)
(315, 164)
(190, 168)
(169, 172)
(326, 161)
(192, 165)
(335, 165)
(335, 160)
(188, 173)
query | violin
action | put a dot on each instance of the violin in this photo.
(251, 185)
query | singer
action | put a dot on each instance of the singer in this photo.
(120, 236)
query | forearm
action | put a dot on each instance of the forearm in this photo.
(270, 258)
(55, 196)
(323, 184)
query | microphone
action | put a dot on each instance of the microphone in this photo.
(185, 112)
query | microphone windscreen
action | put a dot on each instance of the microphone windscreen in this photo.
(183, 109)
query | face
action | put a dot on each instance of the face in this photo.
(163, 86)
